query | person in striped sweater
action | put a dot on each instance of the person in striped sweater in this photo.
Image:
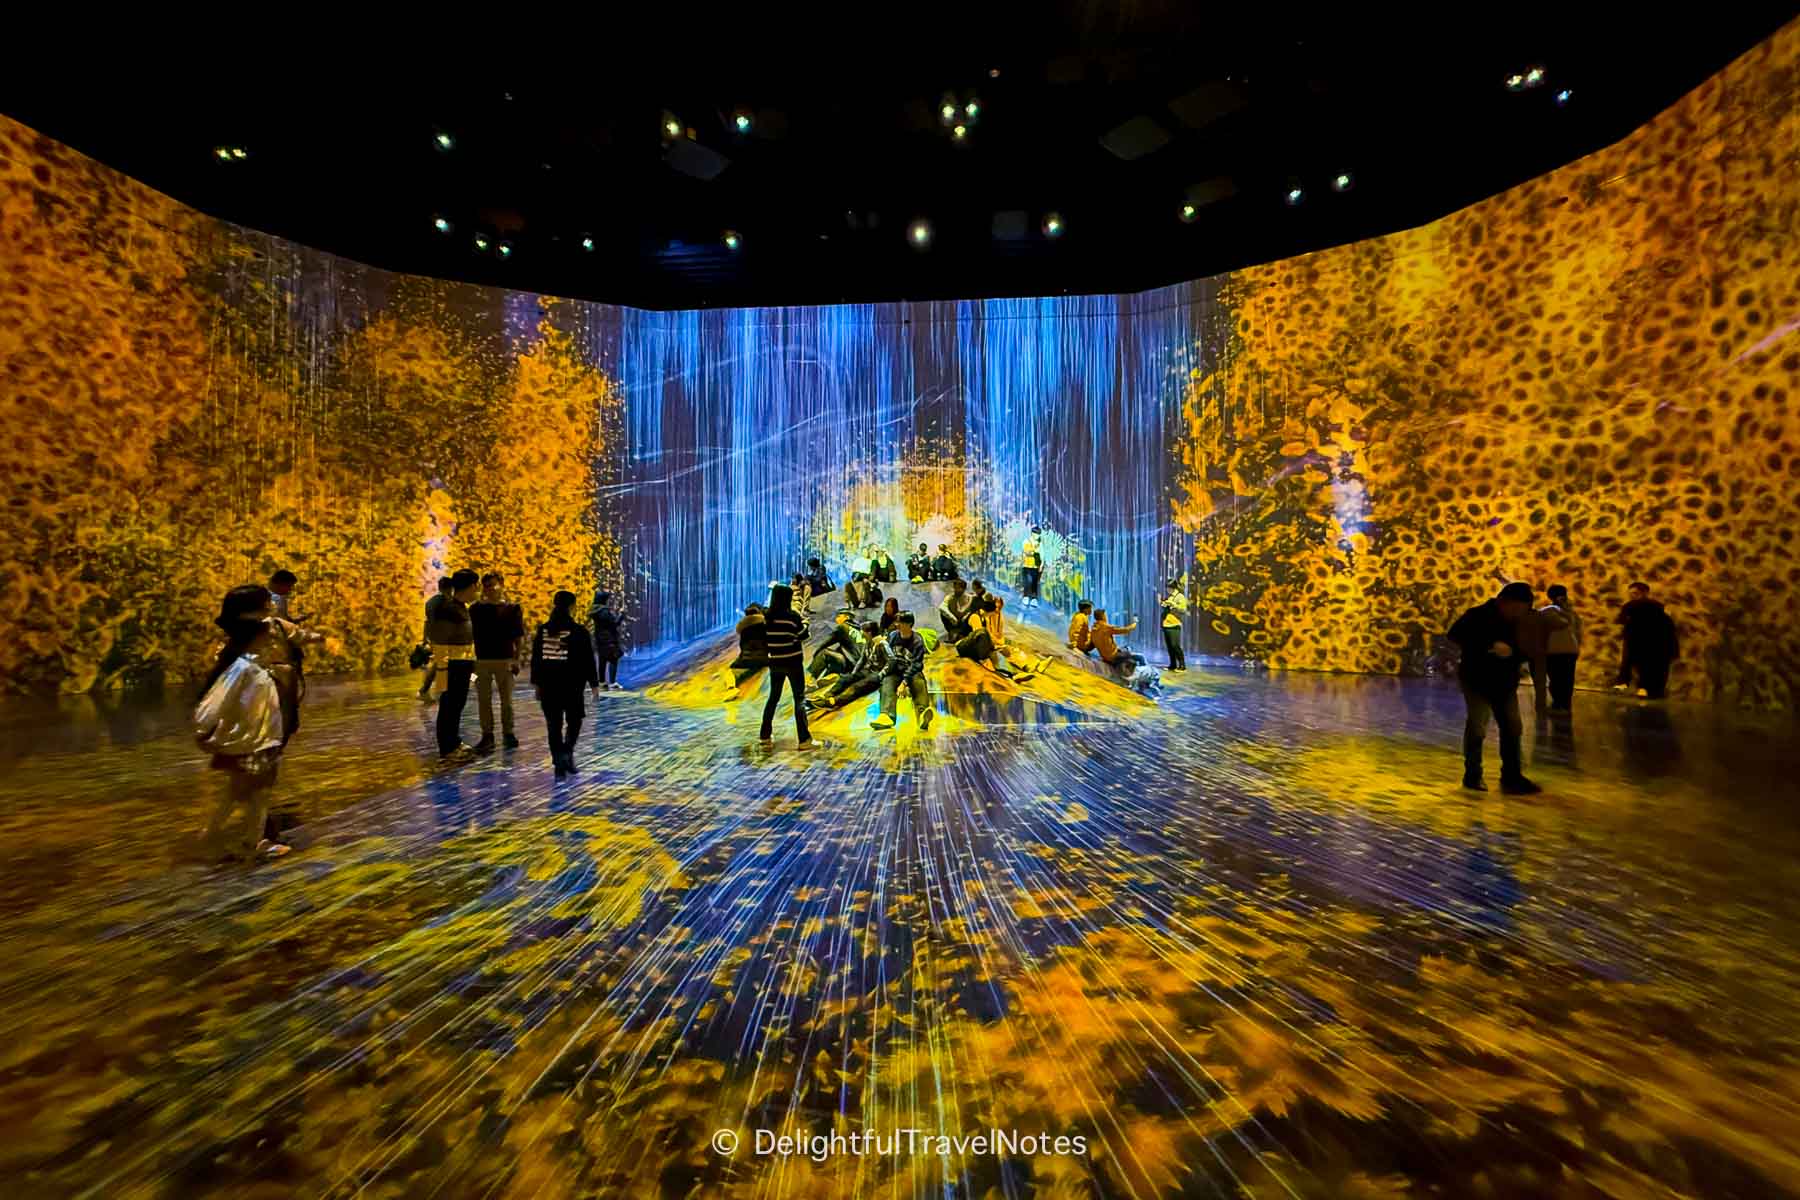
(784, 631)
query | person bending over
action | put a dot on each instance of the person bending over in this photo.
(866, 674)
(953, 613)
(905, 669)
(918, 567)
(785, 634)
(841, 648)
(1102, 635)
(1488, 636)
(753, 651)
(562, 664)
(943, 567)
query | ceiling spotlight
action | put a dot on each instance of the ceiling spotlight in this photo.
(972, 110)
(732, 240)
(587, 243)
(222, 153)
(672, 127)
(1295, 196)
(993, 72)
(444, 141)
(482, 243)
(239, 153)
(743, 122)
(1534, 76)
(1564, 96)
(1189, 212)
(504, 249)
(1342, 182)
(960, 132)
(442, 224)
(919, 234)
(948, 112)
(1053, 225)
(1515, 83)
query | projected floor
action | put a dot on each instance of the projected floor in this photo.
(1250, 941)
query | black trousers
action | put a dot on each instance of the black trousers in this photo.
(849, 687)
(562, 719)
(1028, 585)
(609, 670)
(1562, 679)
(787, 671)
(1503, 709)
(451, 703)
(1172, 643)
(1652, 675)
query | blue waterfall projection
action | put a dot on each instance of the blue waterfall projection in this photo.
(749, 430)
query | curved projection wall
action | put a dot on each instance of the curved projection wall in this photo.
(1585, 380)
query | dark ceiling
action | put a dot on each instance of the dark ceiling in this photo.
(1111, 116)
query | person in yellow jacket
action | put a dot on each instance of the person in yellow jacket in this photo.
(1102, 633)
(1031, 567)
(1174, 608)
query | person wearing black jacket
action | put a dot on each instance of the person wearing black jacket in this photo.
(943, 566)
(784, 635)
(905, 669)
(882, 568)
(1649, 644)
(864, 676)
(562, 664)
(453, 632)
(841, 648)
(816, 576)
(607, 643)
(1488, 636)
(918, 567)
(499, 628)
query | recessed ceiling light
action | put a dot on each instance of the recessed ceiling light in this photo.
(1189, 212)
(587, 243)
(442, 224)
(919, 233)
(1053, 225)
(732, 240)
(444, 141)
(1295, 196)
(1343, 181)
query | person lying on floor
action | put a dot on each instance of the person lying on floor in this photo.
(918, 567)
(943, 567)
(841, 648)
(1111, 653)
(905, 669)
(862, 678)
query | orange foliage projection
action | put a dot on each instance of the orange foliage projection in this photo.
(1586, 380)
(193, 405)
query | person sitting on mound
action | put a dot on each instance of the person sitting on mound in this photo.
(1081, 629)
(863, 593)
(890, 612)
(882, 568)
(918, 567)
(816, 576)
(1111, 653)
(753, 651)
(982, 644)
(905, 669)
(864, 677)
(953, 613)
(943, 566)
(841, 648)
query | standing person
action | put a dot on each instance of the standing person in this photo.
(1102, 635)
(816, 576)
(954, 611)
(1562, 647)
(609, 647)
(1174, 607)
(281, 586)
(1031, 567)
(943, 567)
(1080, 629)
(1649, 644)
(562, 664)
(249, 708)
(1488, 635)
(905, 669)
(499, 632)
(452, 630)
(784, 632)
(918, 567)
(439, 658)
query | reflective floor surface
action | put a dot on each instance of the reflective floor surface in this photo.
(1255, 942)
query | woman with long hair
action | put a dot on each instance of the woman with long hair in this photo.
(784, 634)
(249, 708)
(890, 612)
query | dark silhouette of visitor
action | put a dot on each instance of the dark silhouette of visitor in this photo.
(608, 646)
(943, 567)
(439, 658)
(753, 650)
(281, 587)
(1649, 644)
(499, 634)
(864, 676)
(783, 632)
(1562, 646)
(562, 664)
(816, 576)
(918, 567)
(452, 631)
(1488, 636)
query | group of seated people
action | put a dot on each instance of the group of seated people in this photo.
(1092, 635)
(922, 568)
